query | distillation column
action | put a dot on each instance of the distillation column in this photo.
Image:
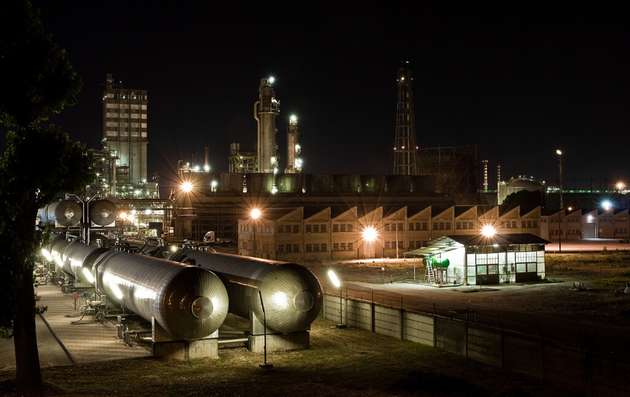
(266, 109)
(294, 149)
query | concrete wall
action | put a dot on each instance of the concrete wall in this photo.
(512, 351)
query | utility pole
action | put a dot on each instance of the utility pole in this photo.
(559, 153)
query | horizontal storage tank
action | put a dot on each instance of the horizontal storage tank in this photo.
(188, 302)
(62, 213)
(291, 293)
(57, 248)
(79, 259)
(102, 212)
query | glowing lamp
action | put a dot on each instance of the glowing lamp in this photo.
(255, 213)
(488, 231)
(186, 187)
(334, 279)
(369, 234)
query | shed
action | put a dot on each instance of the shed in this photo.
(475, 259)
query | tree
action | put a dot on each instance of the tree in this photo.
(38, 162)
(526, 199)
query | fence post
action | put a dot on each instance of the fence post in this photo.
(373, 309)
(402, 319)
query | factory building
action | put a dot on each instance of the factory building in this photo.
(456, 170)
(125, 130)
(338, 232)
(578, 224)
(294, 148)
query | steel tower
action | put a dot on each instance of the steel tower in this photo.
(405, 149)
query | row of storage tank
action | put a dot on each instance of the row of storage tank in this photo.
(191, 293)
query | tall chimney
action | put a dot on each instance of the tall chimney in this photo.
(206, 160)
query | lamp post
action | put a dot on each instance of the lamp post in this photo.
(559, 153)
(254, 214)
(336, 282)
(265, 364)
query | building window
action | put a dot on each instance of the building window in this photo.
(349, 246)
(335, 246)
(323, 247)
(323, 228)
(335, 228)
(387, 227)
(296, 248)
(342, 227)
(296, 228)
(435, 226)
(411, 228)
(309, 248)
(308, 228)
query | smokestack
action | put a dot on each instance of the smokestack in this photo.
(265, 111)
(206, 161)
(294, 149)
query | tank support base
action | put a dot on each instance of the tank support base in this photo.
(163, 346)
(276, 342)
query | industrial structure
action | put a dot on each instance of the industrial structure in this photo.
(285, 298)
(125, 131)
(479, 259)
(266, 109)
(517, 184)
(294, 148)
(341, 232)
(405, 148)
(455, 169)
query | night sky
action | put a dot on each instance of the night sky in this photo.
(518, 83)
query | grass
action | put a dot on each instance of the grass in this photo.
(346, 362)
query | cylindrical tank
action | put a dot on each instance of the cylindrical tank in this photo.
(102, 212)
(291, 293)
(79, 259)
(188, 302)
(64, 213)
(57, 248)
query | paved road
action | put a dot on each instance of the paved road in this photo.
(50, 352)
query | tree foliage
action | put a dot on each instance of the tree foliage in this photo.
(526, 199)
(38, 163)
(38, 80)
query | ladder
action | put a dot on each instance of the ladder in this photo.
(430, 272)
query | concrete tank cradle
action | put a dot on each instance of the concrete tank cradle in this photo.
(186, 301)
(291, 294)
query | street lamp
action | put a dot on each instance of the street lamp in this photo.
(559, 153)
(255, 214)
(369, 235)
(186, 187)
(488, 231)
(620, 186)
(607, 205)
(336, 282)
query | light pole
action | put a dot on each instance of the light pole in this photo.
(334, 280)
(559, 153)
(254, 214)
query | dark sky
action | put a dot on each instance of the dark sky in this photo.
(517, 82)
